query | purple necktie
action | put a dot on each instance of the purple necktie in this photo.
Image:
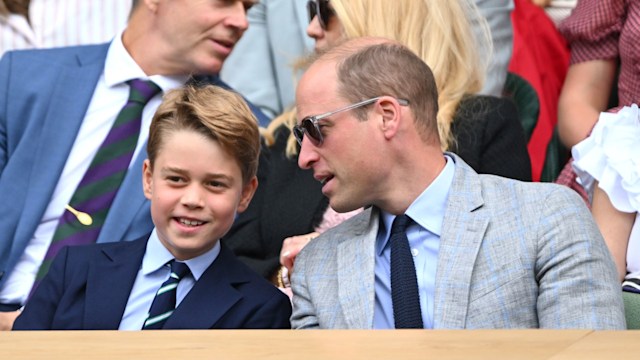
(90, 203)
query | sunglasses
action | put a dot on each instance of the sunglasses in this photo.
(321, 9)
(310, 125)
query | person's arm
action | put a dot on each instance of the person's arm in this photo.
(40, 310)
(5, 66)
(291, 247)
(578, 285)
(7, 319)
(584, 95)
(304, 311)
(615, 227)
(274, 314)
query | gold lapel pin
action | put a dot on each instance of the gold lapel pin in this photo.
(83, 218)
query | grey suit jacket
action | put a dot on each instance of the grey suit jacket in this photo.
(512, 255)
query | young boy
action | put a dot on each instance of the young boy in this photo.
(201, 171)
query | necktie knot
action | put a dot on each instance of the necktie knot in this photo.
(178, 270)
(141, 91)
(400, 224)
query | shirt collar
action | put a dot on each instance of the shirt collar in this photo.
(427, 210)
(156, 256)
(121, 67)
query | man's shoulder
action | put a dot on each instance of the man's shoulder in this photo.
(328, 241)
(57, 52)
(496, 185)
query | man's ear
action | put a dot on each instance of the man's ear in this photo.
(247, 194)
(389, 111)
(147, 179)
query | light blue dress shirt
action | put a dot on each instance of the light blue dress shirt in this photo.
(427, 212)
(153, 273)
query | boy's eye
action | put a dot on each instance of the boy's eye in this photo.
(216, 184)
(175, 179)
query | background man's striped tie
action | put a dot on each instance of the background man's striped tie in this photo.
(92, 199)
(165, 301)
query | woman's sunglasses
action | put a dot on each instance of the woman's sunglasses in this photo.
(321, 9)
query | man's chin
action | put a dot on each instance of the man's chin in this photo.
(342, 206)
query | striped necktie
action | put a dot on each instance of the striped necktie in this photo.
(90, 203)
(404, 283)
(165, 301)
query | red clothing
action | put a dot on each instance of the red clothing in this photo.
(541, 56)
(608, 29)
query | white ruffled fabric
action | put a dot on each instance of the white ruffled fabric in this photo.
(611, 156)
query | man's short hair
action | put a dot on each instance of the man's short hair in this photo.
(394, 70)
(220, 115)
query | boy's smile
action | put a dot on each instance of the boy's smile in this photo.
(196, 189)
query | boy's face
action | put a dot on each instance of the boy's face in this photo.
(195, 189)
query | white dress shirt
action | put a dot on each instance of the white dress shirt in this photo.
(153, 273)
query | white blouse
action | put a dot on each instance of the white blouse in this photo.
(611, 156)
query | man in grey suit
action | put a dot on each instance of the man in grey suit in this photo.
(58, 105)
(488, 252)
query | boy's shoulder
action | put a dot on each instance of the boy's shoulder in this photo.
(243, 278)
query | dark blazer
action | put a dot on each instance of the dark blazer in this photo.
(88, 287)
(289, 200)
(40, 117)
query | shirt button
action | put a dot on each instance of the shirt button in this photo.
(414, 252)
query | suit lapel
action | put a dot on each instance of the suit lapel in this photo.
(70, 98)
(129, 201)
(211, 297)
(356, 274)
(463, 230)
(109, 283)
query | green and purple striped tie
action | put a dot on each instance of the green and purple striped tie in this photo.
(101, 182)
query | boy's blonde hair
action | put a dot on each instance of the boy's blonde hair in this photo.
(220, 115)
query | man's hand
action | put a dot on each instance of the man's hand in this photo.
(291, 247)
(7, 319)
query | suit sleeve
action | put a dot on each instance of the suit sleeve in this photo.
(274, 314)
(578, 286)
(304, 316)
(40, 309)
(4, 94)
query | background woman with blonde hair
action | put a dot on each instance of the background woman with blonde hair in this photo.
(483, 130)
